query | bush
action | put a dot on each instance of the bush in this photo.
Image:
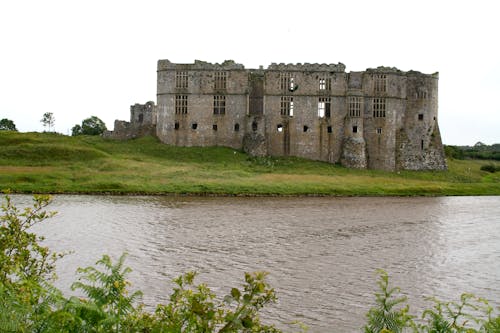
(391, 314)
(453, 152)
(490, 167)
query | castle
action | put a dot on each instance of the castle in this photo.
(381, 118)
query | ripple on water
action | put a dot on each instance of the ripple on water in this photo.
(322, 253)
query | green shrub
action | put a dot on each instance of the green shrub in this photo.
(490, 167)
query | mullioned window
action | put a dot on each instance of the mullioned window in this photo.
(181, 79)
(181, 104)
(286, 106)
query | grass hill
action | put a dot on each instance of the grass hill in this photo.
(54, 163)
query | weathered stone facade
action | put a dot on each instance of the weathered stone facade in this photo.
(381, 118)
(142, 122)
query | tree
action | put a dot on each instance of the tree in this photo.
(76, 130)
(90, 126)
(48, 120)
(7, 125)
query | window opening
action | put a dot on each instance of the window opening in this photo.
(355, 129)
(236, 127)
(322, 84)
(420, 116)
(141, 118)
(176, 126)
(422, 144)
(219, 104)
(279, 128)
(194, 126)
(181, 79)
(324, 107)
(325, 84)
(306, 128)
(287, 82)
(379, 108)
(321, 108)
(214, 127)
(286, 106)
(379, 130)
(220, 80)
(421, 94)
(181, 104)
(329, 129)
(254, 126)
(380, 83)
(354, 106)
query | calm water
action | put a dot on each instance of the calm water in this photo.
(322, 253)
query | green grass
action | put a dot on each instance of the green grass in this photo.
(53, 163)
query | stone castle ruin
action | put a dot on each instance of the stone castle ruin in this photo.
(381, 118)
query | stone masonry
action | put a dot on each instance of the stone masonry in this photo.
(381, 118)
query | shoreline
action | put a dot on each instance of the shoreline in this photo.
(84, 165)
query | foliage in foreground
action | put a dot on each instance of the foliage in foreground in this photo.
(29, 302)
(391, 314)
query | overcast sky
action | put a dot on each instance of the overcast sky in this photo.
(82, 58)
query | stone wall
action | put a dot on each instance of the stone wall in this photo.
(394, 126)
(143, 118)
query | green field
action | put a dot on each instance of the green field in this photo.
(54, 163)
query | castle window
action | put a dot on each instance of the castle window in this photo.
(380, 83)
(279, 128)
(379, 108)
(214, 127)
(321, 109)
(181, 79)
(422, 144)
(287, 106)
(181, 104)
(194, 126)
(329, 129)
(354, 106)
(220, 80)
(141, 118)
(324, 107)
(176, 126)
(420, 116)
(355, 129)
(421, 94)
(379, 130)
(236, 127)
(287, 82)
(325, 84)
(306, 128)
(254, 126)
(219, 104)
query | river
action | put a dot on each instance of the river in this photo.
(322, 253)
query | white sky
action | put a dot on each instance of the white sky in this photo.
(98, 57)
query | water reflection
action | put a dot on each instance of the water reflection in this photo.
(322, 253)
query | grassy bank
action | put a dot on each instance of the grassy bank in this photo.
(52, 163)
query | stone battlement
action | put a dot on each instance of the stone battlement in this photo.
(380, 118)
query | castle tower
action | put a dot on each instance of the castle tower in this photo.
(419, 139)
(354, 144)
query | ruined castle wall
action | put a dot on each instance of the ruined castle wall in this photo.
(306, 133)
(394, 125)
(381, 124)
(200, 125)
(419, 139)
